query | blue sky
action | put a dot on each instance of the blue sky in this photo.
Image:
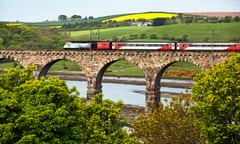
(41, 10)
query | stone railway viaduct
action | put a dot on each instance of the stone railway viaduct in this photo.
(94, 64)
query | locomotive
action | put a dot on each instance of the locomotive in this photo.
(162, 46)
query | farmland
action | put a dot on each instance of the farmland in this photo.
(117, 18)
(198, 32)
(146, 16)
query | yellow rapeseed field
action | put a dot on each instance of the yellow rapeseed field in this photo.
(54, 27)
(146, 16)
(13, 24)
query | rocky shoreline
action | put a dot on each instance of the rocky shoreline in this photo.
(174, 83)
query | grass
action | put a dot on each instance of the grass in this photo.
(65, 65)
(199, 32)
(186, 66)
(124, 68)
(145, 15)
(108, 33)
(7, 64)
(119, 68)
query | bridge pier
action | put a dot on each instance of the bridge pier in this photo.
(93, 88)
(152, 90)
(152, 99)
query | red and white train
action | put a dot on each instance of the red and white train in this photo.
(167, 46)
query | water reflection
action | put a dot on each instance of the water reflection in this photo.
(129, 94)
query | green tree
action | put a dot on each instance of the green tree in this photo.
(153, 36)
(46, 111)
(169, 124)
(237, 19)
(75, 17)
(25, 37)
(227, 19)
(159, 21)
(1, 42)
(217, 97)
(143, 36)
(62, 17)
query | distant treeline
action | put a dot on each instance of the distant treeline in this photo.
(181, 18)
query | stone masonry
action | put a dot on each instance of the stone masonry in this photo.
(95, 63)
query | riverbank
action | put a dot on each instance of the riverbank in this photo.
(127, 90)
(174, 83)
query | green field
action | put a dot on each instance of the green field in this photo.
(198, 32)
(119, 68)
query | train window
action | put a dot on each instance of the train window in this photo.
(139, 44)
(153, 45)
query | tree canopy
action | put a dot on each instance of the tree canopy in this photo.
(46, 111)
(21, 36)
(170, 124)
(217, 102)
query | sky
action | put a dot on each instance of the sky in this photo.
(42, 10)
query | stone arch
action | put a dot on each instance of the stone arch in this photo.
(44, 68)
(109, 62)
(157, 84)
(12, 58)
(105, 65)
(101, 73)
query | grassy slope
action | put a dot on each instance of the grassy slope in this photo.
(223, 32)
(119, 68)
(106, 34)
(97, 19)
(60, 23)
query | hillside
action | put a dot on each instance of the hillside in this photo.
(147, 26)
(126, 16)
(215, 14)
(198, 32)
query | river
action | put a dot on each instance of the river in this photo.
(128, 93)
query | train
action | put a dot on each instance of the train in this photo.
(161, 46)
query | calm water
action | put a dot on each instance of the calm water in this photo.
(125, 92)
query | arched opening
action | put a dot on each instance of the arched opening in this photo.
(122, 80)
(175, 78)
(66, 70)
(7, 63)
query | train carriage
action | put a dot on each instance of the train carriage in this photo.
(142, 46)
(162, 46)
(77, 45)
(208, 46)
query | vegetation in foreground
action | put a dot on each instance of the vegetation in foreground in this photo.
(217, 102)
(46, 111)
(210, 116)
(171, 124)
